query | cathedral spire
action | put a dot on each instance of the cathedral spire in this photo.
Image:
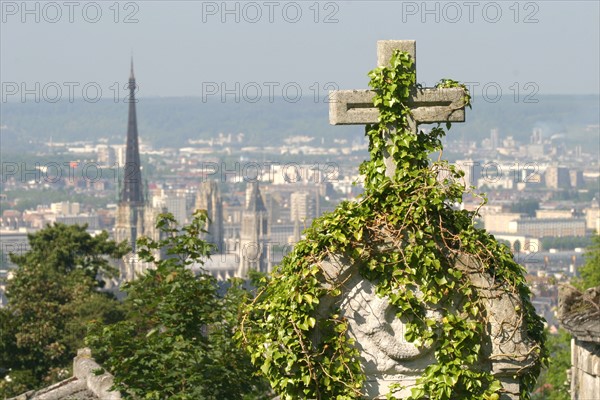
(132, 179)
(131, 76)
(255, 202)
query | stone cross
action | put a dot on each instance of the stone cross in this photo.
(427, 105)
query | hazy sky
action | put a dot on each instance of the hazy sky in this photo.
(195, 48)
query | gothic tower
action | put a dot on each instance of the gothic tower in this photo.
(253, 236)
(132, 180)
(209, 198)
(134, 216)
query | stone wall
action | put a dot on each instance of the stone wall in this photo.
(585, 370)
(86, 369)
(89, 382)
(579, 313)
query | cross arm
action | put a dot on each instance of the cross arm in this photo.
(428, 105)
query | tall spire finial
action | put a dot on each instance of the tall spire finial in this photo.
(131, 76)
(133, 191)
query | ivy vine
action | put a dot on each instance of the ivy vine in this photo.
(405, 235)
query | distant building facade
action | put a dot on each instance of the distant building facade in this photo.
(302, 207)
(557, 177)
(555, 227)
(576, 178)
(499, 222)
(173, 202)
(592, 218)
(553, 214)
(65, 208)
(91, 220)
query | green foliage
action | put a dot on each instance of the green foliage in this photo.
(66, 248)
(176, 341)
(589, 273)
(552, 383)
(52, 295)
(403, 234)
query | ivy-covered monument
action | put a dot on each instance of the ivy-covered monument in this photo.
(397, 294)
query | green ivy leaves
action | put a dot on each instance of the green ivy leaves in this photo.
(406, 237)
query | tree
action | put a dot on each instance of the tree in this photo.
(552, 383)
(590, 272)
(52, 295)
(176, 341)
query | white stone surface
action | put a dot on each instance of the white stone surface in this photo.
(388, 358)
(585, 370)
(428, 105)
(84, 368)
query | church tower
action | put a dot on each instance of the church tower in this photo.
(132, 181)
(253, 236)
(135, 217)
(209, 198)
